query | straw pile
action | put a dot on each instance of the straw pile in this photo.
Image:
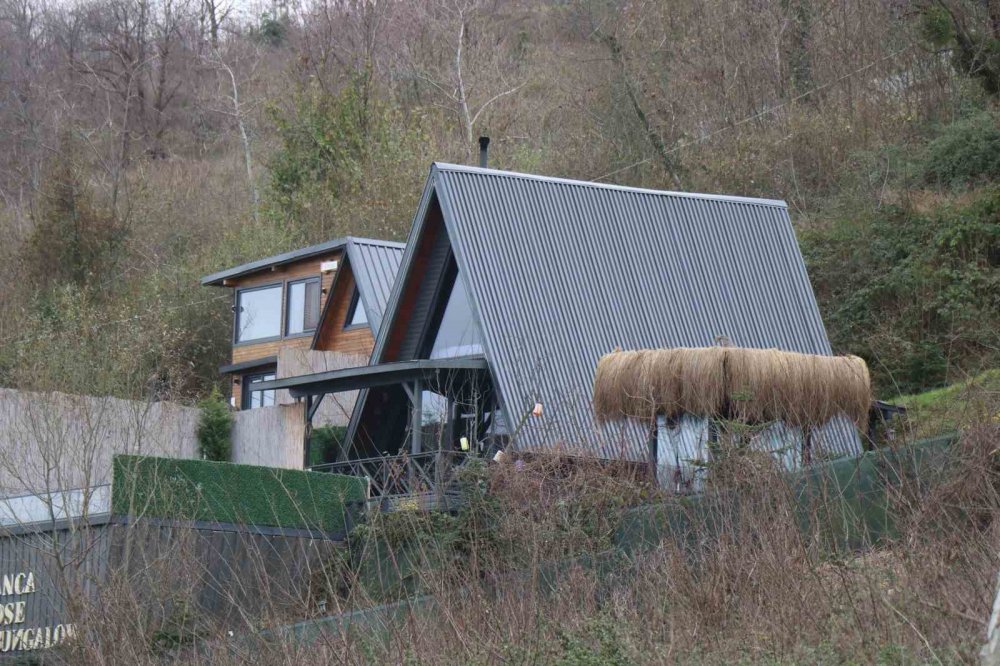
(751, 385)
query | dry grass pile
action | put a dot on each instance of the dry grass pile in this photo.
(752, 385)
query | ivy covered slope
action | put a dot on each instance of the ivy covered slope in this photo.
(912, 283)
(146, 486)
(954, 407)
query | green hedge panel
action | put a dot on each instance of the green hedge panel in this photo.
(145, 486)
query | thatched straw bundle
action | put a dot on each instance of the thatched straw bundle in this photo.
(752, 385)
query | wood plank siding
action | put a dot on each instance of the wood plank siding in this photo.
(303, 269)
(420, 289)
(310, 267)
(332, 335)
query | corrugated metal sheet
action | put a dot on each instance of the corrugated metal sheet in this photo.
(374, 264)
(561, 272)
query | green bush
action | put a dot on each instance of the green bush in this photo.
(915, 294)
(215, 427)
(324, 444)
(229, 493)
(966, 152)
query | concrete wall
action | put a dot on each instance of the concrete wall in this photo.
(270, 436)
(56, 441)
(336, 408)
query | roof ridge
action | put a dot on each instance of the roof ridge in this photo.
(360, 240)
(733, 198)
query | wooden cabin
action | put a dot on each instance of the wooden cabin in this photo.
(325, 297)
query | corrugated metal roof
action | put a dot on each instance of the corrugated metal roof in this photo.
(374, 265)
(561, 272)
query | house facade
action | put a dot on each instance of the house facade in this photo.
(324, 298)
(513, 285)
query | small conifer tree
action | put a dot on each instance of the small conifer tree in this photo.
(215, 428)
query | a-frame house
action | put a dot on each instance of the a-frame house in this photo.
(513, 285)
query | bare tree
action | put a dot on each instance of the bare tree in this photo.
(479, 71)
(234, 107)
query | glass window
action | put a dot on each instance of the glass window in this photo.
(303, 306)
(258, 313)
(356, 315)
(255, 398)
(458, 334)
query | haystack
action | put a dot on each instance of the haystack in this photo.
(751, 385)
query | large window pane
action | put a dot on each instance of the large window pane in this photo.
(303, 306)
(258, 314)
(459, 334)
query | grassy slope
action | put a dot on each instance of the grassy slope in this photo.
(976, 400)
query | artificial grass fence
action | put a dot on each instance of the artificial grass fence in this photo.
(847, 502)
(200, 490)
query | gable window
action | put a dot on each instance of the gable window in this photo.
(256, 398)
(258, 313)
(356, 315)
(458, 333)
(302, 306)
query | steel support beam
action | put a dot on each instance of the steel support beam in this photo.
(416, 418)
(313, 406)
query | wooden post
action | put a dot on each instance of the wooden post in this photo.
(651, 453)
(439, 462)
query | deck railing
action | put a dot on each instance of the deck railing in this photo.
(405, 474)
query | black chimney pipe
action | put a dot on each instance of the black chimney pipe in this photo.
(484, 151)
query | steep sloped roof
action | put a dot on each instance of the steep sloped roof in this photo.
(561, 272)
(374, 264)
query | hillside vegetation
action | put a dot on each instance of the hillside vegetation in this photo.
(144, 143)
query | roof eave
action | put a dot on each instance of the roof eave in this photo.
(251, 267)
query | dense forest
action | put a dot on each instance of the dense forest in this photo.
(145, 143)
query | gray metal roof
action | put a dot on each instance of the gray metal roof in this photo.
(216, 279)
(374, 265)
(561, 272)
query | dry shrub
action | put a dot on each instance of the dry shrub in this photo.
(950, 543)
(754, 385)
(737, 577)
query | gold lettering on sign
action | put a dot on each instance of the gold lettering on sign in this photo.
(18, 639)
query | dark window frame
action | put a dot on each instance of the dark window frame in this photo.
(352, 308)
(246, 393)
(286, 302)
(237, 311)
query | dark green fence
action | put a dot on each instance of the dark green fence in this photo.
(849, 502)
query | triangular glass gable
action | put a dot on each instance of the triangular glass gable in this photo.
(458, 333)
